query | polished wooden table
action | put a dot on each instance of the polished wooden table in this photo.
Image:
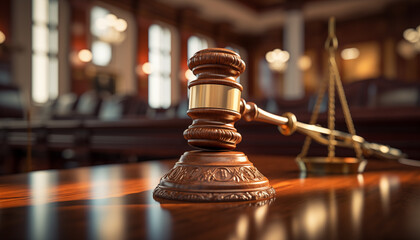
(115, 202)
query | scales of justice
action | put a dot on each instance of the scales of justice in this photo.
(215, 173)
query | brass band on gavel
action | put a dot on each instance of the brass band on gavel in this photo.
(215, 96)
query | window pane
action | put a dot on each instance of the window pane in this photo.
(53, 41)
(40, 38)
(165, 65)
(154, 36)
(204, 44)
(154, 61)
(40, 78)
(53, 12)
(166, 93)
(40, 11)
(191, 46)
(154, 91)
(166, 40)
(53, 78)
(196, 44)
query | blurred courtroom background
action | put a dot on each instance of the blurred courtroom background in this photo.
(106, 81)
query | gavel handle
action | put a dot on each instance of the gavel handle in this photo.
(288, 124)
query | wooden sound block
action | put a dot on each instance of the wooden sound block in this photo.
(210, 176)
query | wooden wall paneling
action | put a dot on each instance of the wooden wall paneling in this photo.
(316, 33)
(184, 35)
(127, 5)
(185, 32)
(6, 47)
(142, 55)
(223, 31)
(6, 20)
(197, 25)
(156, 11)
(79, 34)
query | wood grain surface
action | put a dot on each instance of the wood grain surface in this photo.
(115, 202)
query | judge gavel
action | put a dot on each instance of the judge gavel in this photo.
(214, 173)
(215, 102)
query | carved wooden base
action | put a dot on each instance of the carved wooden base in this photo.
(204, 176)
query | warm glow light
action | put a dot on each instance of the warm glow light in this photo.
(386, 185)
(111, 19)
(304, 63)
(357, 202)
(314, 218)
(85, 55)
(120, 25)
(147, 68)
(2, 37)
(360, 179)
(277, 55)
(260, 215)
(281, 55)
(269, 57)
(277, 66)
(242, 227)
(277, 59)
(350, 53)
(411, 35)
(189, 75)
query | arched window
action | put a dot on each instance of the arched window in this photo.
(160, 62)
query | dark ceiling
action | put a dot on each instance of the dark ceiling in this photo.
(264, 5)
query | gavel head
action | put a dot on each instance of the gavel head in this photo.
(214, 99)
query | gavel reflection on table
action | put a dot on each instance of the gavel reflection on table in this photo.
(215, 173)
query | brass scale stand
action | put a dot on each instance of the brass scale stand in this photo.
(215, 173)
(332, 164)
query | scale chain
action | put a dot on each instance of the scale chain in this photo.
(331, 46)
